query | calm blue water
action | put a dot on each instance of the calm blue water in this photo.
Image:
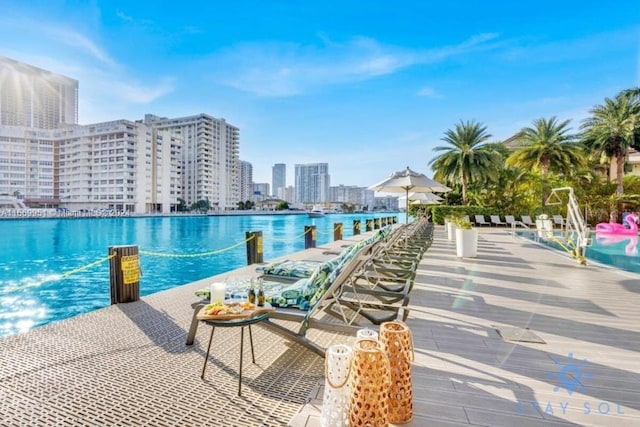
(618, 251)
(35, 253)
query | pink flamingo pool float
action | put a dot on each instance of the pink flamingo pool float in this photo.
(619, 229)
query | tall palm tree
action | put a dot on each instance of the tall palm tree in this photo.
(614, 128)
(465, 158)
(547, 146)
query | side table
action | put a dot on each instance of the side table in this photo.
(234, 323)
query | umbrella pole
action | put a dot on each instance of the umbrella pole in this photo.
(406, 211)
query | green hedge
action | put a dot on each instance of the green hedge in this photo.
(440, 212)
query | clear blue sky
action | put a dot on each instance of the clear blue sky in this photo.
(367, 86)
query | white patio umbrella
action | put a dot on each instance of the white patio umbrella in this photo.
(423, 199)
(408, 180)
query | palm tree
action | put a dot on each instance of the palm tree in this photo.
(614, 128)
(547, 147)
(465, 159)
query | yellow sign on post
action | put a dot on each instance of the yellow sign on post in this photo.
(130, 266)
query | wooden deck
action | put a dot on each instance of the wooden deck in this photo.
(128, 364)
(586, 373)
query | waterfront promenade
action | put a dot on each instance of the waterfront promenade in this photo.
(128, 364)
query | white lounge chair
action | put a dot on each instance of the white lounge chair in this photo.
(510, 220)
(495, 220)
(481, 221)
(526, 220)
(558, 220)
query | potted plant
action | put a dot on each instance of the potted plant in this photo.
(451, 222)
(466, 239)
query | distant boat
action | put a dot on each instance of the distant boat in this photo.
(316, 212)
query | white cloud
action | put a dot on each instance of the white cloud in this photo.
(75, 39)
(286, 69)
(428, 92)
(139, 94)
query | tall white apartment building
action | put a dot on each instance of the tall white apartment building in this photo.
(28, 168)
(279, 179)
(312, 182)
(118, 165)
(289, 194)
(246, 181)
(36, 98)
(210, 158)
(351, 194)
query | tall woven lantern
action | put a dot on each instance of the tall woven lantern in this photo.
(337, 396)
(369, 380)
(366, 333)
(397, 342)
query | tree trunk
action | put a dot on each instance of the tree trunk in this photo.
(543, 169)
(620, 172)
(464, 190)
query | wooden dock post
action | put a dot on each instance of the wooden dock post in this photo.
(124, 274)
(254, 247)
(309, 236)
(368, 225)
(337, 231)
(356, 227)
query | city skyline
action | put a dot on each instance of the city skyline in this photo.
(305, 85)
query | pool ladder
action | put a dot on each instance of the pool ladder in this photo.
(575, 223)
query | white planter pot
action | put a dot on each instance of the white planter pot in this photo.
(466, 243)
(451, 233)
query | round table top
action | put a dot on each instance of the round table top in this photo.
(225, 323)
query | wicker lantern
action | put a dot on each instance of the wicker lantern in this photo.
(369, 380)
(397, 342)
(336, 399)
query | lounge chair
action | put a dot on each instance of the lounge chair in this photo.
(495, 220)
(558, 220)
(303, 303)
(481, 221)
(510, 220)
(526, 220)
(329, 299)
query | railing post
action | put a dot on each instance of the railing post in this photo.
(337, 231)
(124, 274)
(376, 223)
(356, 227)
(368, 225)
(254, 247)
(309, 236)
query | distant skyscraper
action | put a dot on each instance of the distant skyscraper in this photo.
(210, 158)
(312, 183)
(36, 98)
(260, 191)
(246, 181)
(279, 179)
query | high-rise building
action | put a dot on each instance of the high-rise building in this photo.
(279, 179)
(119, 165)
(312, 182)
(260, 191)
(352, 194)
(246, 181)
(289, 194)
(36, 98)
(210, 158)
